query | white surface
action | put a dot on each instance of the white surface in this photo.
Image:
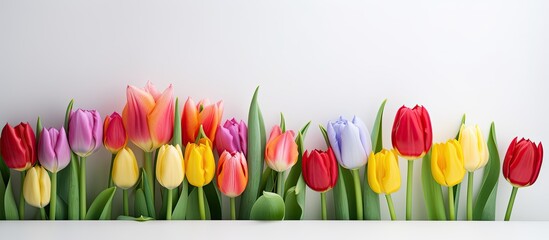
(314, 60)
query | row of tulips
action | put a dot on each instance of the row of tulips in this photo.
(178, 153)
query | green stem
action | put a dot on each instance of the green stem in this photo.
(323, 205)
(391, 207)
(43, 214)
(511, 203)
(148, 166)
(125, 202)
(280, 184)
(201, 203)
(451, 208)
(169, 205)
(111, 183)
(82, 188)
(22, 198)
(358, 195)
(409, 181)
(233, 208)
(470, 196)
(53, 196)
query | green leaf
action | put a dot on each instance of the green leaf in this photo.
(341, 204)
(295, 201)
(130, 218)
(214, 200)
(61, 209)
(140, 204)
(263, 138)
(2, 192)
(255, 158)
(73, 194)
(282, 123)
(147, 190)
(176, 139)
(295, 171)
(267, 180)
(38, 130)
(10, 207)
(377, 133)
(485, 205)
(175, 195)
(99, 209)
(4, 170)
(192, 208)
(269, 206)
(434, 202)
(180, 210)
(325, 135)
(457, 188)
(350, 188)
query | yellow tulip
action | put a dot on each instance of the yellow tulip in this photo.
(383, 172)
(200, 163)
(37, 187)
(447, 164)
(125, 171)
(170, 168)
(475, 149)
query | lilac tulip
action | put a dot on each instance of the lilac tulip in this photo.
(53, 149)
(85, 132)
(350, 141)
(232, 137)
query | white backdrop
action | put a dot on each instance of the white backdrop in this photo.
(314, 60)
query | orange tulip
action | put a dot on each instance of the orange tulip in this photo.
(232, 174)
(205, 114)
(148, 116)
(281, 150)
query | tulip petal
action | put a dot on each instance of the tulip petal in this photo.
(140, 104)
(189, 122)
(352, 151)
(160, 120)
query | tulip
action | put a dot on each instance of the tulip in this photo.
(17, 146)
(36, 188)
(54, 155)
(448, 168)
(170, 167)
(412, 137)
(85, 137)
(475, 156)
(232, 176)
(204, 113)
(320, 173)
(148, 116)
(232, 137)
(384, 175)
(521, 167)
(200, 168)
(281, 150)
(125, 174)
(114, 133)
(351, 143)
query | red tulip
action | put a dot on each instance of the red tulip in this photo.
(522, 162)
(320, 170)
(114, 133)
(204, 113)
(18, 146)
(412, 135)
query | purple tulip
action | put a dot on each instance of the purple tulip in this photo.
(53, 149)
(350, 141)
(85, 132)
(232, 137)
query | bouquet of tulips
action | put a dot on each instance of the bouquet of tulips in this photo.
(264, 178)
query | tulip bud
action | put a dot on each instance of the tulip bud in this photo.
(170, 167)
(85, 132)
(54, 153)
(17, 146)
(320, 170)
(204, 113)
(37, 187)
(350, 141)
(232, 174)
(232, 137)
(383, 172)
(475, 149)
(281, 150)
(125, 171)
(412, 135)
(447, 164)
(199, 163)
(114, 133)
(522, 162)
(148, 116)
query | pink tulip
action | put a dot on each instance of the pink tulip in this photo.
(281, 150)
(148, 116)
